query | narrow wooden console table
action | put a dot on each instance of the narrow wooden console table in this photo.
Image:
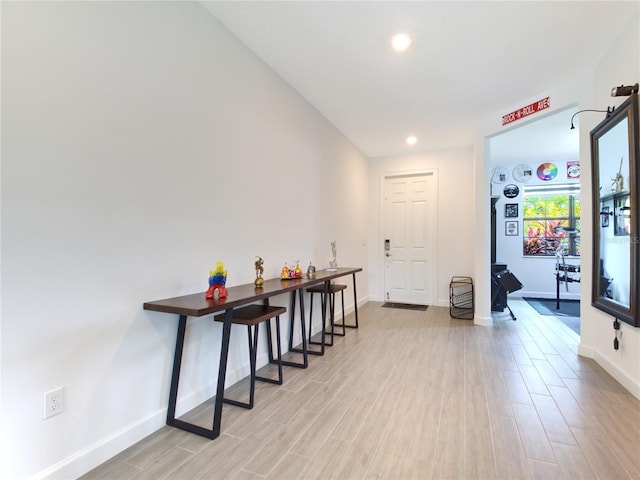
(196, 305)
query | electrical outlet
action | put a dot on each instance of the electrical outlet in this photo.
(53, 402)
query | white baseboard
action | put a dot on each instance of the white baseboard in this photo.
(99, 452)
(611, 369)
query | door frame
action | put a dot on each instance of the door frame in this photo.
(381, 219)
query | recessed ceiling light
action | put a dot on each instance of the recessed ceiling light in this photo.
(411, 140)
(400, 42)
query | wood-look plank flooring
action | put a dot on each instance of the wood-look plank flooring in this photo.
(416, 395)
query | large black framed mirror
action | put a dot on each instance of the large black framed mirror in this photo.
(614, 159)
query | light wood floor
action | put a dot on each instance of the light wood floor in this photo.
(417, 395)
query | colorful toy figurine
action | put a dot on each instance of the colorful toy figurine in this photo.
(259, 271)
(217, 281)
(284, 274)
(288, 273)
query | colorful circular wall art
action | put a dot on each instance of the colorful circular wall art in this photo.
(547, 171)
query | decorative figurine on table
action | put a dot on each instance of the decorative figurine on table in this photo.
(259, 271)
(618, 180)
(311, 271)
(333, 264)
(217, 281)
(288, 273)
(284, 274)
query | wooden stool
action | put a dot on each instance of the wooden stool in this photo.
(252, 316)
(332, 289)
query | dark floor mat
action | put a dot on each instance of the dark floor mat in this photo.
(568, 313)
(404, 306)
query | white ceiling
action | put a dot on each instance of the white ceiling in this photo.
(468, 59)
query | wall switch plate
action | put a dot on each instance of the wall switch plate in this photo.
(53, 402)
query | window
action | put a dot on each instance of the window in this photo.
(551, 220)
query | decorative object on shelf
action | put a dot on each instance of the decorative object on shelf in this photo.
(511, 228)
(284, 273)
(289, 273)
(618, 180)
(333, 264)
(259, 271)
(547, 171)
(217, 281)
(499, 175)
(311, 271)
(522, 173)
(511, 191)
(511, 210)
(573, 169)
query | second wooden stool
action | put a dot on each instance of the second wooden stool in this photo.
(252, 316)
(332, 289)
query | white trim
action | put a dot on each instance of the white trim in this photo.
(610, 368)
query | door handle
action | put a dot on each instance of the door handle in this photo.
(387, 254)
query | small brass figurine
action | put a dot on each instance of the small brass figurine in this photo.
(259, 271)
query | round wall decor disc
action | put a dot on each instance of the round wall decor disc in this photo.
(522, 173)
(499, 175)
(547, 171)
(511, 191)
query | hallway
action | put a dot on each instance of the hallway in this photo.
(417, 395)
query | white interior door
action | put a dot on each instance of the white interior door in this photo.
(408, 246)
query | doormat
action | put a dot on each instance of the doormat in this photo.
(405, 306)
(568, 313)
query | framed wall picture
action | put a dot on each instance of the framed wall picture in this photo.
(511, 228)
(511, 210)
(604, 217)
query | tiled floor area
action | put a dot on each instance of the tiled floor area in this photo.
(417, 395)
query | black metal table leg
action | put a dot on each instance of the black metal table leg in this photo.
(304, 350)
(355, 303)
(214, 432)
(175, 375)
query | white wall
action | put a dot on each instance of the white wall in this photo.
(620, 65)
(141, 143)
(455, 225)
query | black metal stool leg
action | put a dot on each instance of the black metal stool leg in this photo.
(278, 359)
(252, 366)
